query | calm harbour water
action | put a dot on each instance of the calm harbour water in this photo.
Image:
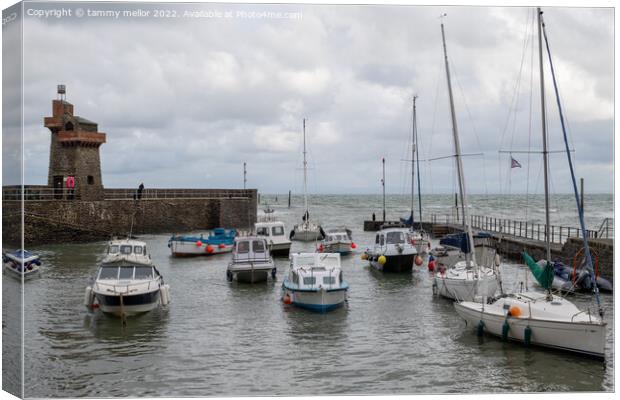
(220, 338)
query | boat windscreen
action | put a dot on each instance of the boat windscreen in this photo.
(108, 272)
(395, 237)
(277, 230)
(126, 273)
(144, 273)
(243, 247)
(258, 246)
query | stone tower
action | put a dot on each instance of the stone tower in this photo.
(75, 166)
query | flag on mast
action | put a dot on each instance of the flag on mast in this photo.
(514, 163)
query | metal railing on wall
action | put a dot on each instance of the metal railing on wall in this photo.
(527, 229)
(123, 194)
(37, 193)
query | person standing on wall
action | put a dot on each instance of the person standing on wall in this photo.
(140, 189)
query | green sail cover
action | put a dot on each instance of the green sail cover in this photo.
(543, 274)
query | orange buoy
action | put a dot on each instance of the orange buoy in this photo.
(431, 265)
(418, 260)
(221, 246)
(353, 245)
(198, 243)
(514, 311)
(287, 299)
(210, 249)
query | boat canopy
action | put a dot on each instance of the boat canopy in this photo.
(126, 272)
(316, 260)
(250, 249)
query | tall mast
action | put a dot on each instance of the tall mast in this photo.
(307, 214)
(413, 148)
(417, 161)
(471, 256)
(383, 185)
(544, 133)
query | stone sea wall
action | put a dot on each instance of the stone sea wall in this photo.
(71, 220)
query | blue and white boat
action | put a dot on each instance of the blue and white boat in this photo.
(315, 282)
(218, 241)
(21, 263)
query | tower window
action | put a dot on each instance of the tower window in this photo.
(91, 180)
(69, 126)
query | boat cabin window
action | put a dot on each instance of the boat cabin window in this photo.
(113, 249)
(309, 280)
(137, 249)
(258, 246)
(395, 237)
(110, 272)
(277, 230)
(126, 273)
(381, 240)
(329, 280)
(143, 273)
(126, 249)
(262, 231)
(295, 278)
(243, 247)
(377, 239)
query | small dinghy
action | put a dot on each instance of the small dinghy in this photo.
(126, 282)
(21, 263)
(315, 282)
(218, 241)
(251, 261)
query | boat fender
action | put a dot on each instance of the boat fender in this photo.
(273, 274)
(480, 330)
(418, 260)
(382, 260)
(321, 248)
(291, 235)
(88, 297)
(229, 276)
(210, 249)
(527, 335)
(353, 245)
(364, 256)
(198, 243)
(514, 311)
(37, 262)
(286, 299)
(431, 265)
(434, 288)
(497, 260)
(505, 329)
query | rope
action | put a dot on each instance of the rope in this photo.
(572, 173)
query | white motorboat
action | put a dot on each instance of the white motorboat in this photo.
(251, 261)
(534, 318)
(126, 282)
(21, 263)
(543, 318)
(337, 240)
(275, 233)
(393, 251)
(307, 231)
(463, 281)
(315, 282)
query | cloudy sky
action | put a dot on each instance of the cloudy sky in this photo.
(185, 100)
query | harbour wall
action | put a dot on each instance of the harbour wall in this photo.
(64, 221)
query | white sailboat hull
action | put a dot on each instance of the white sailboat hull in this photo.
(459, 284)
(580, 337)
(307, 234)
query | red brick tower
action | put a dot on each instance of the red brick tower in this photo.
(75, 166)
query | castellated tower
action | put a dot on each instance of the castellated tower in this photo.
(75, 166)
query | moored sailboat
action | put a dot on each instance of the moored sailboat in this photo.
(466, 279)
(539, 318)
